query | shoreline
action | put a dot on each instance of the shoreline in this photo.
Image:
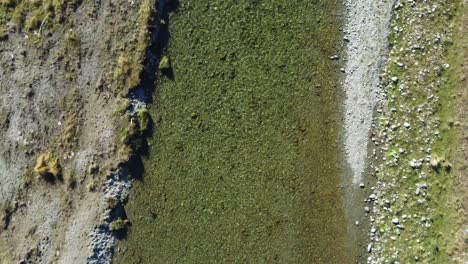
(367, 26)
(366, 30)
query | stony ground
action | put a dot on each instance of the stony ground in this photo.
(418, 206)
(59, 72)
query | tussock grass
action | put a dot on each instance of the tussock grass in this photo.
(48, 166)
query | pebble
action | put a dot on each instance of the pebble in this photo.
(415, 164)
(395, 221)
(369, 248)
(418, 191)
(395, 79)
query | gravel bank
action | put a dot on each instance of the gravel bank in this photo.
(367, 28)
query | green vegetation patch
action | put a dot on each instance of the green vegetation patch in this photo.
(419, 134)
(243, 163)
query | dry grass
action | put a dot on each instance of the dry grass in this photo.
(48, 166)
(126, 75)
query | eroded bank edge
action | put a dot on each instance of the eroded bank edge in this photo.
(138, 93)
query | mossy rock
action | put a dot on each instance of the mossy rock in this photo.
(164, 64)
(119, 224)
(144, 120)
(123, 107)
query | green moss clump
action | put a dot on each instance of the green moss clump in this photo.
(125, 136)
(119, 224)
(144, 120)
(122, 107)
(164, 64)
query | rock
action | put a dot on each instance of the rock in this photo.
(418, 191)
(415, 164)
(164, 64)
(357, 223)
(387, 203)
(361, 185)
(394, 79)
(372, 197)
(367, 209)
(334, 57)
(407, 125)
(395, 221)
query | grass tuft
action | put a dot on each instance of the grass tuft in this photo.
(48, 166)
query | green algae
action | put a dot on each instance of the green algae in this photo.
(244, 158)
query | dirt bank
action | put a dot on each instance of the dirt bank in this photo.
(61, 69)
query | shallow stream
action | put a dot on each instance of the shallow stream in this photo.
(244, 163)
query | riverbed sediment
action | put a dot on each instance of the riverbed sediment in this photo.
(366, 33)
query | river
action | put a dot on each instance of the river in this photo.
(245, 163)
